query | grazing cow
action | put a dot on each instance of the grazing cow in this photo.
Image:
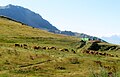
(36, 47)
(104, 54)
(52, 48)
(110, 74)
(24, 45)
(111, 55)
(32, 57)
(21, 45)
(44, 48)
(64, 50)
(116, 55)
(73, 51)
(36, 68)
(100, 53)
(96, 53)
(99, 63)
(87, 51)
(107, 67)
(107, 54)
(84, 51)
(60, 49)
(17, 45)
(92, 52)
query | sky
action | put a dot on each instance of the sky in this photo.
(93, 17)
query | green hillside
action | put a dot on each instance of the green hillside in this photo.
(30, 52)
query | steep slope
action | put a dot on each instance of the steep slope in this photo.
(26, 16)
(30, 52)
(12, 31)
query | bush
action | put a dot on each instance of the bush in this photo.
(74, 60)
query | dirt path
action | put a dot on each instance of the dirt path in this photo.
(34, 64)
(24, 66)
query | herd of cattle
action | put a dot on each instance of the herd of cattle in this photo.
(65, 50)
(111, 68)
(98, 53)
(44, 48)
(91, 52)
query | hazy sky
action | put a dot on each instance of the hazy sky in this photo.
(93, 17)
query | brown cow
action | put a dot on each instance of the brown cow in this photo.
(36, 47)
(17, 45)
(99, 63)
(87, 51)
(110, 74)
(52, 48)
(104, 54)
(45, 48)
(66, 50)
(73, 51)
(84, 51)
(96, 53)
(100, 53)
(24, 44)
(32, 57)
(111, 55)
(116, 55)
(91, 52)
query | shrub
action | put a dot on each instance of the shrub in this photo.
(74, 60)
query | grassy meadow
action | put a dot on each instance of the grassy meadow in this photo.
(30, 52)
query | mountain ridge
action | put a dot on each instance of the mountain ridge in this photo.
(33, 19)
(114, 39)
(26, 16)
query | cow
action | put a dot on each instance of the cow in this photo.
(24, 44)
(52, 48)
(66, 50)
(116, 55)
(96, 53)
(87, 51)
(36, 47)
(111, 55)
(73, 51)
(17, 45)
(92, 52)
(99, 63)
(100, 53)
(104, 54)
(44, 48)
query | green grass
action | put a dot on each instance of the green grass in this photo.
(28, 62)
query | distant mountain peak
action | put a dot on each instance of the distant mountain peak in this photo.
(26, 16)
(114, 39)
(7, 6)
(10, 5)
